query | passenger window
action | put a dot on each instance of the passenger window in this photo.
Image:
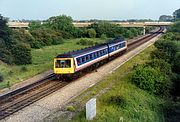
(83, 59)
(78, 61)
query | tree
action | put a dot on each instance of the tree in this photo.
(45, 36)
(91, 33)
(34, 25)
(5, 42)
(165, 18)
(176, 14)
(104, 27)
(61, 23)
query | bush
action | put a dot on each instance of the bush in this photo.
(6, 56)
(86, 42)
(103, 36)
(45, 37)
(152, 80)
(1, 78)
(22, 54)
(160, 54)
(57, 41)
(161, 65)
(91, 33)
(70, 108)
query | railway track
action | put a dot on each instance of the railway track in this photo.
(22, 97)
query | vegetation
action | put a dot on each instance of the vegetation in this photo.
(166, 18)
(176, 15)
(86, 42)
(120, 100)
(152, 80)
(12, 49)
(1, 78)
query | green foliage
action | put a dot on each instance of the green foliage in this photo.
(117, 100)
(22, 36)
(86, 42)
(161, 65)
(45, 37)
(70, 108)
(168, 47)
(176, 67)
(165, 18)
(91, 33)
(152, 80)
(6, 56)
(103, 36)
(176, 14)
(34, 25)
(61, 23)
(1, 78)
(24, 69)
(110, 30)
(22, 54)
(175, 27)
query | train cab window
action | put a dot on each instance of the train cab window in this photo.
(63, 63)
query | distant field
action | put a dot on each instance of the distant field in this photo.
(42, 61)
(118, 99)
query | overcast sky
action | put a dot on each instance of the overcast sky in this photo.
(88, 9)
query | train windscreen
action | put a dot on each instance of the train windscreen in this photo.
(63, 63)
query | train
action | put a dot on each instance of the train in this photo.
(76, 61)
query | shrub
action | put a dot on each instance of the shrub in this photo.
(45, 37)
(24, 69)
(160, 54)
(103, 36)
(152, 80)
(91, 33)
(6, 56)
(70, 108)
(161, 65)
(22, 54)
(86, 42)
(1, 78)
(57, 41)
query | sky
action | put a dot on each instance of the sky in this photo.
(88, 9)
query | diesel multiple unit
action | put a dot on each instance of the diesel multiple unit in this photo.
(75, 61)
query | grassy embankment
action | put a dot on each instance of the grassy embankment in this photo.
(120, 100)
(42, 61)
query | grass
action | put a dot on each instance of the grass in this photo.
(42, 61)
(120, 100)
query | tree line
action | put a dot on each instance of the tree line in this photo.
(16, 44)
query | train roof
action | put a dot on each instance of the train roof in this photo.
(88, 49)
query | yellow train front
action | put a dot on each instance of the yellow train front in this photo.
(63, 65)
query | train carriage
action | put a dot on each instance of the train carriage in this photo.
(72, 62)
